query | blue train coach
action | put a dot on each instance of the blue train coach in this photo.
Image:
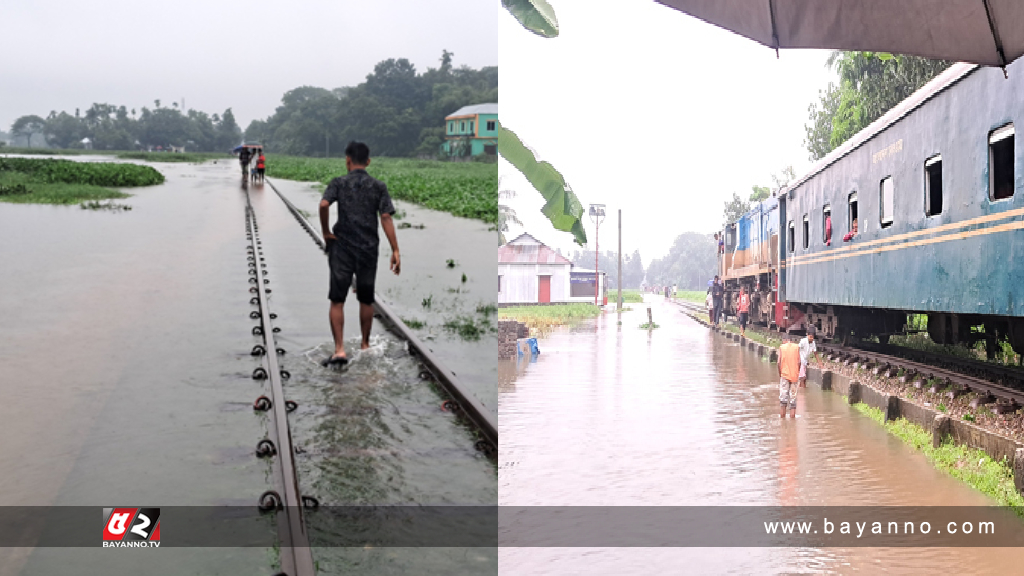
(934, 188)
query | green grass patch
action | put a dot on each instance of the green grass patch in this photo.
(543, 318)
(469, 327)
(49, 181)
(414, 323)
(631, 295)
(971, 465)
(649, 326)
(467, 189)
(697, 296)
(751, 334)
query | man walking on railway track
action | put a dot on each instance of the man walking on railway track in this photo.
(807, 347)
(352, 248)
(789, 373)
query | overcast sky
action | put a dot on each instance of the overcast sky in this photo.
(644, 108)
(216, 54)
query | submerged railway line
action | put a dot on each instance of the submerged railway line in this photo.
(287, 499)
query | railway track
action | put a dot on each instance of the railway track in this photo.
(998, 385)
(288, 502)
(286, 499)
(461, 401)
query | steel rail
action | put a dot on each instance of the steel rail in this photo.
(972, 383)
(477, 414)
(296, 555)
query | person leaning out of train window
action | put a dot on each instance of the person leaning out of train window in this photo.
(743, 308)
(828, 230)
(852, 233)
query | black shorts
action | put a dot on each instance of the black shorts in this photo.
(260, 171)
(344, 263)
(743, 319)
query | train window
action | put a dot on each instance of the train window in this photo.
(826, 224)
(807, 232)
(852, 213)
(1000, 162)
(791, 240)
(933, 185)
(885, 193)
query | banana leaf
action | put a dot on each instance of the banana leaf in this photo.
(563, 209)
(537, 16)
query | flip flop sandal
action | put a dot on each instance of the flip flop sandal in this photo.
(335, 361)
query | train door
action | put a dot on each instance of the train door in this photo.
(787, 242)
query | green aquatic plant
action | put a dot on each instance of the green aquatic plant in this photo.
(466, 189)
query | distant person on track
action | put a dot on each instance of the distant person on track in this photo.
(744, 310)
(789, 374)
(352, 248)
(261, 166)
(807, 347)
(244, 155)
(717, 294)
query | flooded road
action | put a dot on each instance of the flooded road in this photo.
(613, 414)
(127, 378)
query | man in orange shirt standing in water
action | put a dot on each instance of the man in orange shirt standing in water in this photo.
(744, 310)
(789, 374)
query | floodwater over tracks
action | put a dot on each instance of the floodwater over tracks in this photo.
(613, 414)
(127, 379)
(446, 292)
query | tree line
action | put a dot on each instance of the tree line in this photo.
(397, 111)
(632, 266)
(109, 127)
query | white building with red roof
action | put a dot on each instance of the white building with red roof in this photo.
(531, 273)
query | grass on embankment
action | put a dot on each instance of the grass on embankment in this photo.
(970, 465)
(628, 295)
(697, 296)
(543, 318)
(467, 189)
(48, 181)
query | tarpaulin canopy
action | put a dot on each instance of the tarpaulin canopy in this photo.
(989, 32)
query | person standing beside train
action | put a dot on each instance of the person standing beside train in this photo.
(743, 308)
(807, 347)
(709, 303)
(717, 294)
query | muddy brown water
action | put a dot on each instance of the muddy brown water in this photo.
(679, 417)
(126, 380)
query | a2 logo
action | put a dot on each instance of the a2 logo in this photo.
(131, 527)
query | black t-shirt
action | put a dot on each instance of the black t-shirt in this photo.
(244, 155)
(360, 198)
(716, 292)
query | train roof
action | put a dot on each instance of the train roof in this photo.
(934, 87)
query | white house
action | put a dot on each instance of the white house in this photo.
(529, 272)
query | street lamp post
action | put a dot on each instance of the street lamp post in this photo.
(597, 215)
